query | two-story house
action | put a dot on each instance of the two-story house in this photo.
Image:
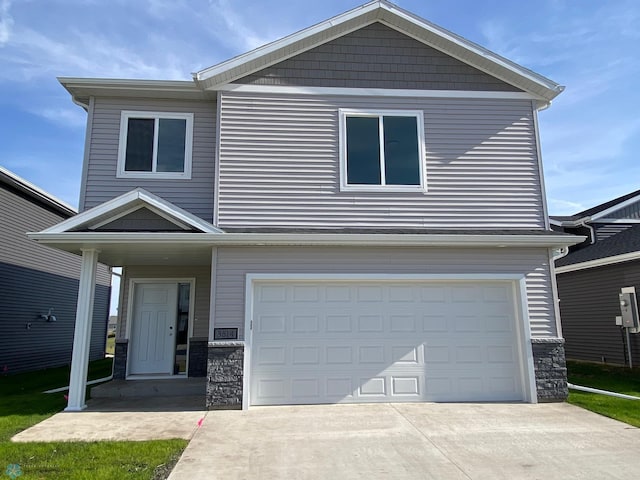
(353, 213)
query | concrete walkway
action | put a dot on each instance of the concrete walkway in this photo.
(121, 419)
(411, 441)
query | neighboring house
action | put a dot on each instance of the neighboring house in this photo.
(354, 213)
(39, 285)
(592, 275)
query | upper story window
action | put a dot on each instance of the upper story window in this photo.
(155, 145)
(382, 150)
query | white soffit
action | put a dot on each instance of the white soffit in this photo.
(214, 77)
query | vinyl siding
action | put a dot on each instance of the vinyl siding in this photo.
(630, 211)
(588, 306)
(279, 165)
(233, 263)
(202, 274)
(195, 195)
(376, 56)
(33, 279)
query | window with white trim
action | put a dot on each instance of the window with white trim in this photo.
(382, 150)
(155, 145)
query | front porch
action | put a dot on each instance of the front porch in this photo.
(153, 388)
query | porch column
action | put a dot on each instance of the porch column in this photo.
(82, 334)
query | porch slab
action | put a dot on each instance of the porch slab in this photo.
(162, 387)
(133, 418)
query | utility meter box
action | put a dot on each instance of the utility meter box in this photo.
(629, 308)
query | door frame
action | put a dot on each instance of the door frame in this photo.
(133, 282)
(520, 300)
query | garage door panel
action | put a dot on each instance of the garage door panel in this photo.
(333, 342)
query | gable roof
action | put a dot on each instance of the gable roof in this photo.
(35, 193)
(599, 211)
(123, 205)
(382, 11)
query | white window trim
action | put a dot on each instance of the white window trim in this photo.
(343, 113)
(125, 115)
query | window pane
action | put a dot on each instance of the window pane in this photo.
(171, 141)
(363, 151)
(139, 157)
(402, 163)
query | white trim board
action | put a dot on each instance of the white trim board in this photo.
(518, 282)
(375, 92)
(599, 262)
(73, 239)
(128, 200)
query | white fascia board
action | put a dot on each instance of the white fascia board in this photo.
(98, 213)
(599, 262)
(85, 87)
(618, 206)
(263, 57)
(315, 239)
(376, 92)
(170, 210)
(471, 48)
(35, 191)
(616, 220)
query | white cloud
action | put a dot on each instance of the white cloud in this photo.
(564, 207)
(6, 22)
(236, 29)
(64, 117)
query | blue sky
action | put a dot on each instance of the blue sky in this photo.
(590, 135)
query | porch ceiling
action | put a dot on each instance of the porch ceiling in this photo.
(122, 254)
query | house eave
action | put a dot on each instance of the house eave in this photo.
(81, 89)
(599, 262)
(32, 191)
(86, 239)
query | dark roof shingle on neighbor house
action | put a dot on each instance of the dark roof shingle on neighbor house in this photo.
(626, 241)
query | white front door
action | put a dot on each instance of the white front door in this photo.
(153, 329)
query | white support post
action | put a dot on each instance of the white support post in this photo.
(82, 334)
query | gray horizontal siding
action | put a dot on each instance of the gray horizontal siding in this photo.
(234, 263)
(27, 342)
(279, 165)
(19, 215)
(35, 278)
(202, 274)
(376, 56)
(630, 211)
(589, 305)
(195, 195)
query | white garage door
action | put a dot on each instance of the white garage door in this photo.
(358, 341)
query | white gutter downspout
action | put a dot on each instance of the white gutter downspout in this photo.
(92, 382)
(592, 231)
(601, 392)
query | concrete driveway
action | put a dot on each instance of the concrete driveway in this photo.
(411, 441)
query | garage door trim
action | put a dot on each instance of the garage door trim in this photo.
(517, 281)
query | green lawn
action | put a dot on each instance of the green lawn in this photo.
(614, 379)
(22, 404)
